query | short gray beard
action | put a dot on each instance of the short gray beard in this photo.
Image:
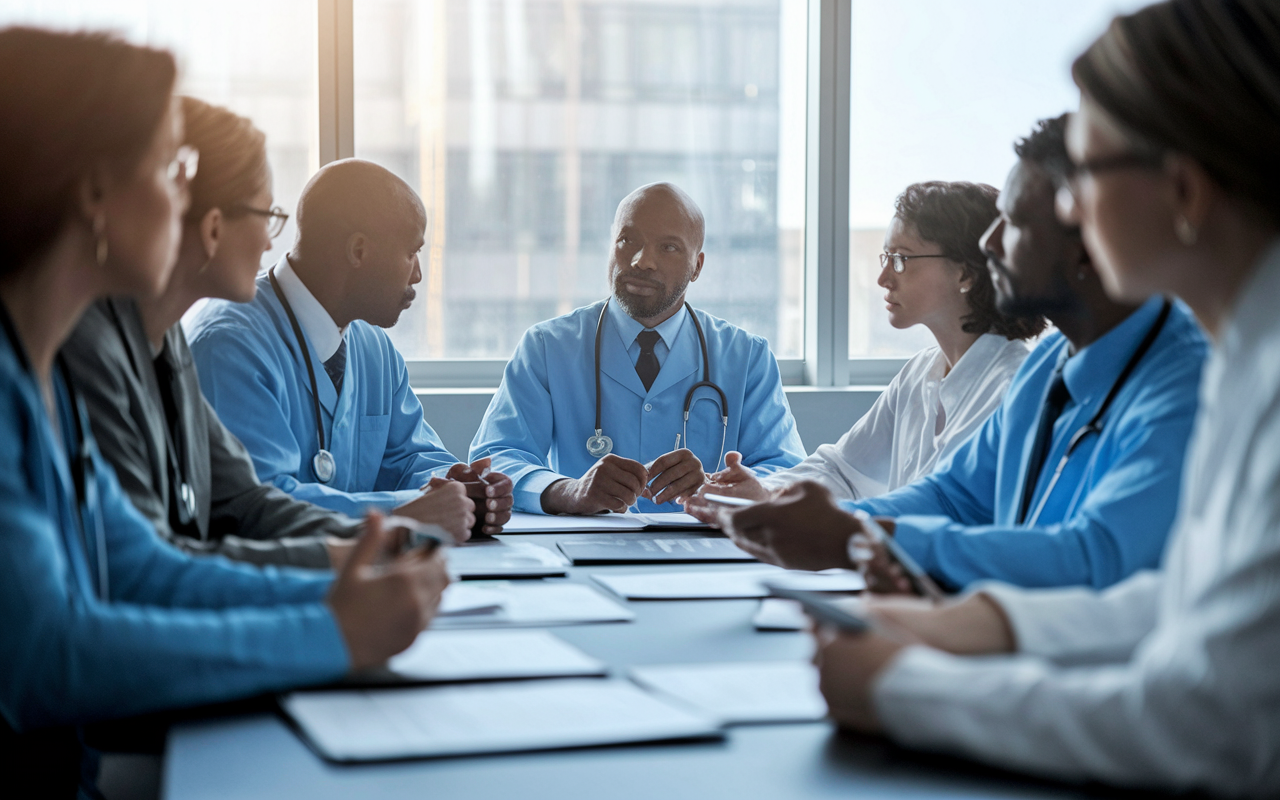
(638, 308)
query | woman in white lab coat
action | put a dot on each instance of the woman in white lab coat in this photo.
(934, 274)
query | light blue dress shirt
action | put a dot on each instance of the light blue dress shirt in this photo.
(1109, 513)
(174, 630)
(538, 423)
(247, 356)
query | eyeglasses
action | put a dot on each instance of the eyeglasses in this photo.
(1068, 185)
(184, 165)
(900, 261)
(276, 216)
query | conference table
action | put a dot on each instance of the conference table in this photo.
(256, 755)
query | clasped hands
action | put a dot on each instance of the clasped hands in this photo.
(615, 483)
(468, 499)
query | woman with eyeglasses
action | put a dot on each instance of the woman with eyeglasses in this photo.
(1170, 679)
(181, 468)
(101, 618)
(934, 274)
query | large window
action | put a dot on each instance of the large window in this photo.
(523, 123)
(940, 90)
(257, 58)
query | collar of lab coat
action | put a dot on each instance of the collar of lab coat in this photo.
(684, 358)
(328, 395)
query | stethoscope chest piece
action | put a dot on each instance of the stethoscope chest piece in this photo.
(323, 465)
(599, 445)
(187, 496)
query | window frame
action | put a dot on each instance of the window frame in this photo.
(826, 361)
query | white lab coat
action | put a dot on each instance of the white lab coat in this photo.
(922, 416)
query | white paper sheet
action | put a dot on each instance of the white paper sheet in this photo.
(725, 584)
(777, 614)
(536, 604)
(361, 725)
(544, 523)
(501, 559)
(771, 691)
(462, 599)
(488, 655)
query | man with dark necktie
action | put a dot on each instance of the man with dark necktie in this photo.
(352, 436)
(627, 402)
(1074, 480)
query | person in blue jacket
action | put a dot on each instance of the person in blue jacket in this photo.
(102, 619)
(627, 401)
(308, 381)
(1075, 479)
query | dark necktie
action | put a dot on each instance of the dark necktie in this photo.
(1055, 399)
(336, 364)
(647, 365)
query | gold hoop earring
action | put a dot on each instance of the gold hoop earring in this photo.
(205, 265)
(1185, 231)
(100, 239)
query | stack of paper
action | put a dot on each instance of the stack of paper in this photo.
(726, 584)
(771, 691)
(384, 724)
(544, 523)
(450, 656)
(527, 604)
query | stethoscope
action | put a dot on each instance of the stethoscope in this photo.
(1094, 426)
(176, 459)
(600, 445)
(83, 472)
(322, 463)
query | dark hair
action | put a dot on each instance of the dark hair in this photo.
(954, 215)
(1046, 146)
(233, 158)
(1198, 77)
(69, 102)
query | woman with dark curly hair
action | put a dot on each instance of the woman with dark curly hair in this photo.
(934, 274)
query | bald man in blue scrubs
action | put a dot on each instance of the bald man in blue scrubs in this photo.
(590, 416)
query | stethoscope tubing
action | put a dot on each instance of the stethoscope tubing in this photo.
(311, 372)
(706, 382)
(1095, 424)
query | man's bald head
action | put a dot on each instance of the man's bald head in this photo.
(353, 196)
(658, 233)
(669, 195)
(360, 229)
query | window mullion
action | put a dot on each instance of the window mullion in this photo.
(826, 345)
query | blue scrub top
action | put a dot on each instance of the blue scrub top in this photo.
(252, 375)
(538, 423)
(172, 630)
(1111, 510)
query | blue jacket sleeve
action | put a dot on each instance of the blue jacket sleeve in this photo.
(1119, 526)
(767, 437)
(517, 428)
(414, 452)
(236, 375)
(70, 658)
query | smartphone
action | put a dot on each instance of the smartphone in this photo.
(920, 581)
(821, 608)
(726, 500)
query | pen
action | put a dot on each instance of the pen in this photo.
(428, 537)
(920, 580)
